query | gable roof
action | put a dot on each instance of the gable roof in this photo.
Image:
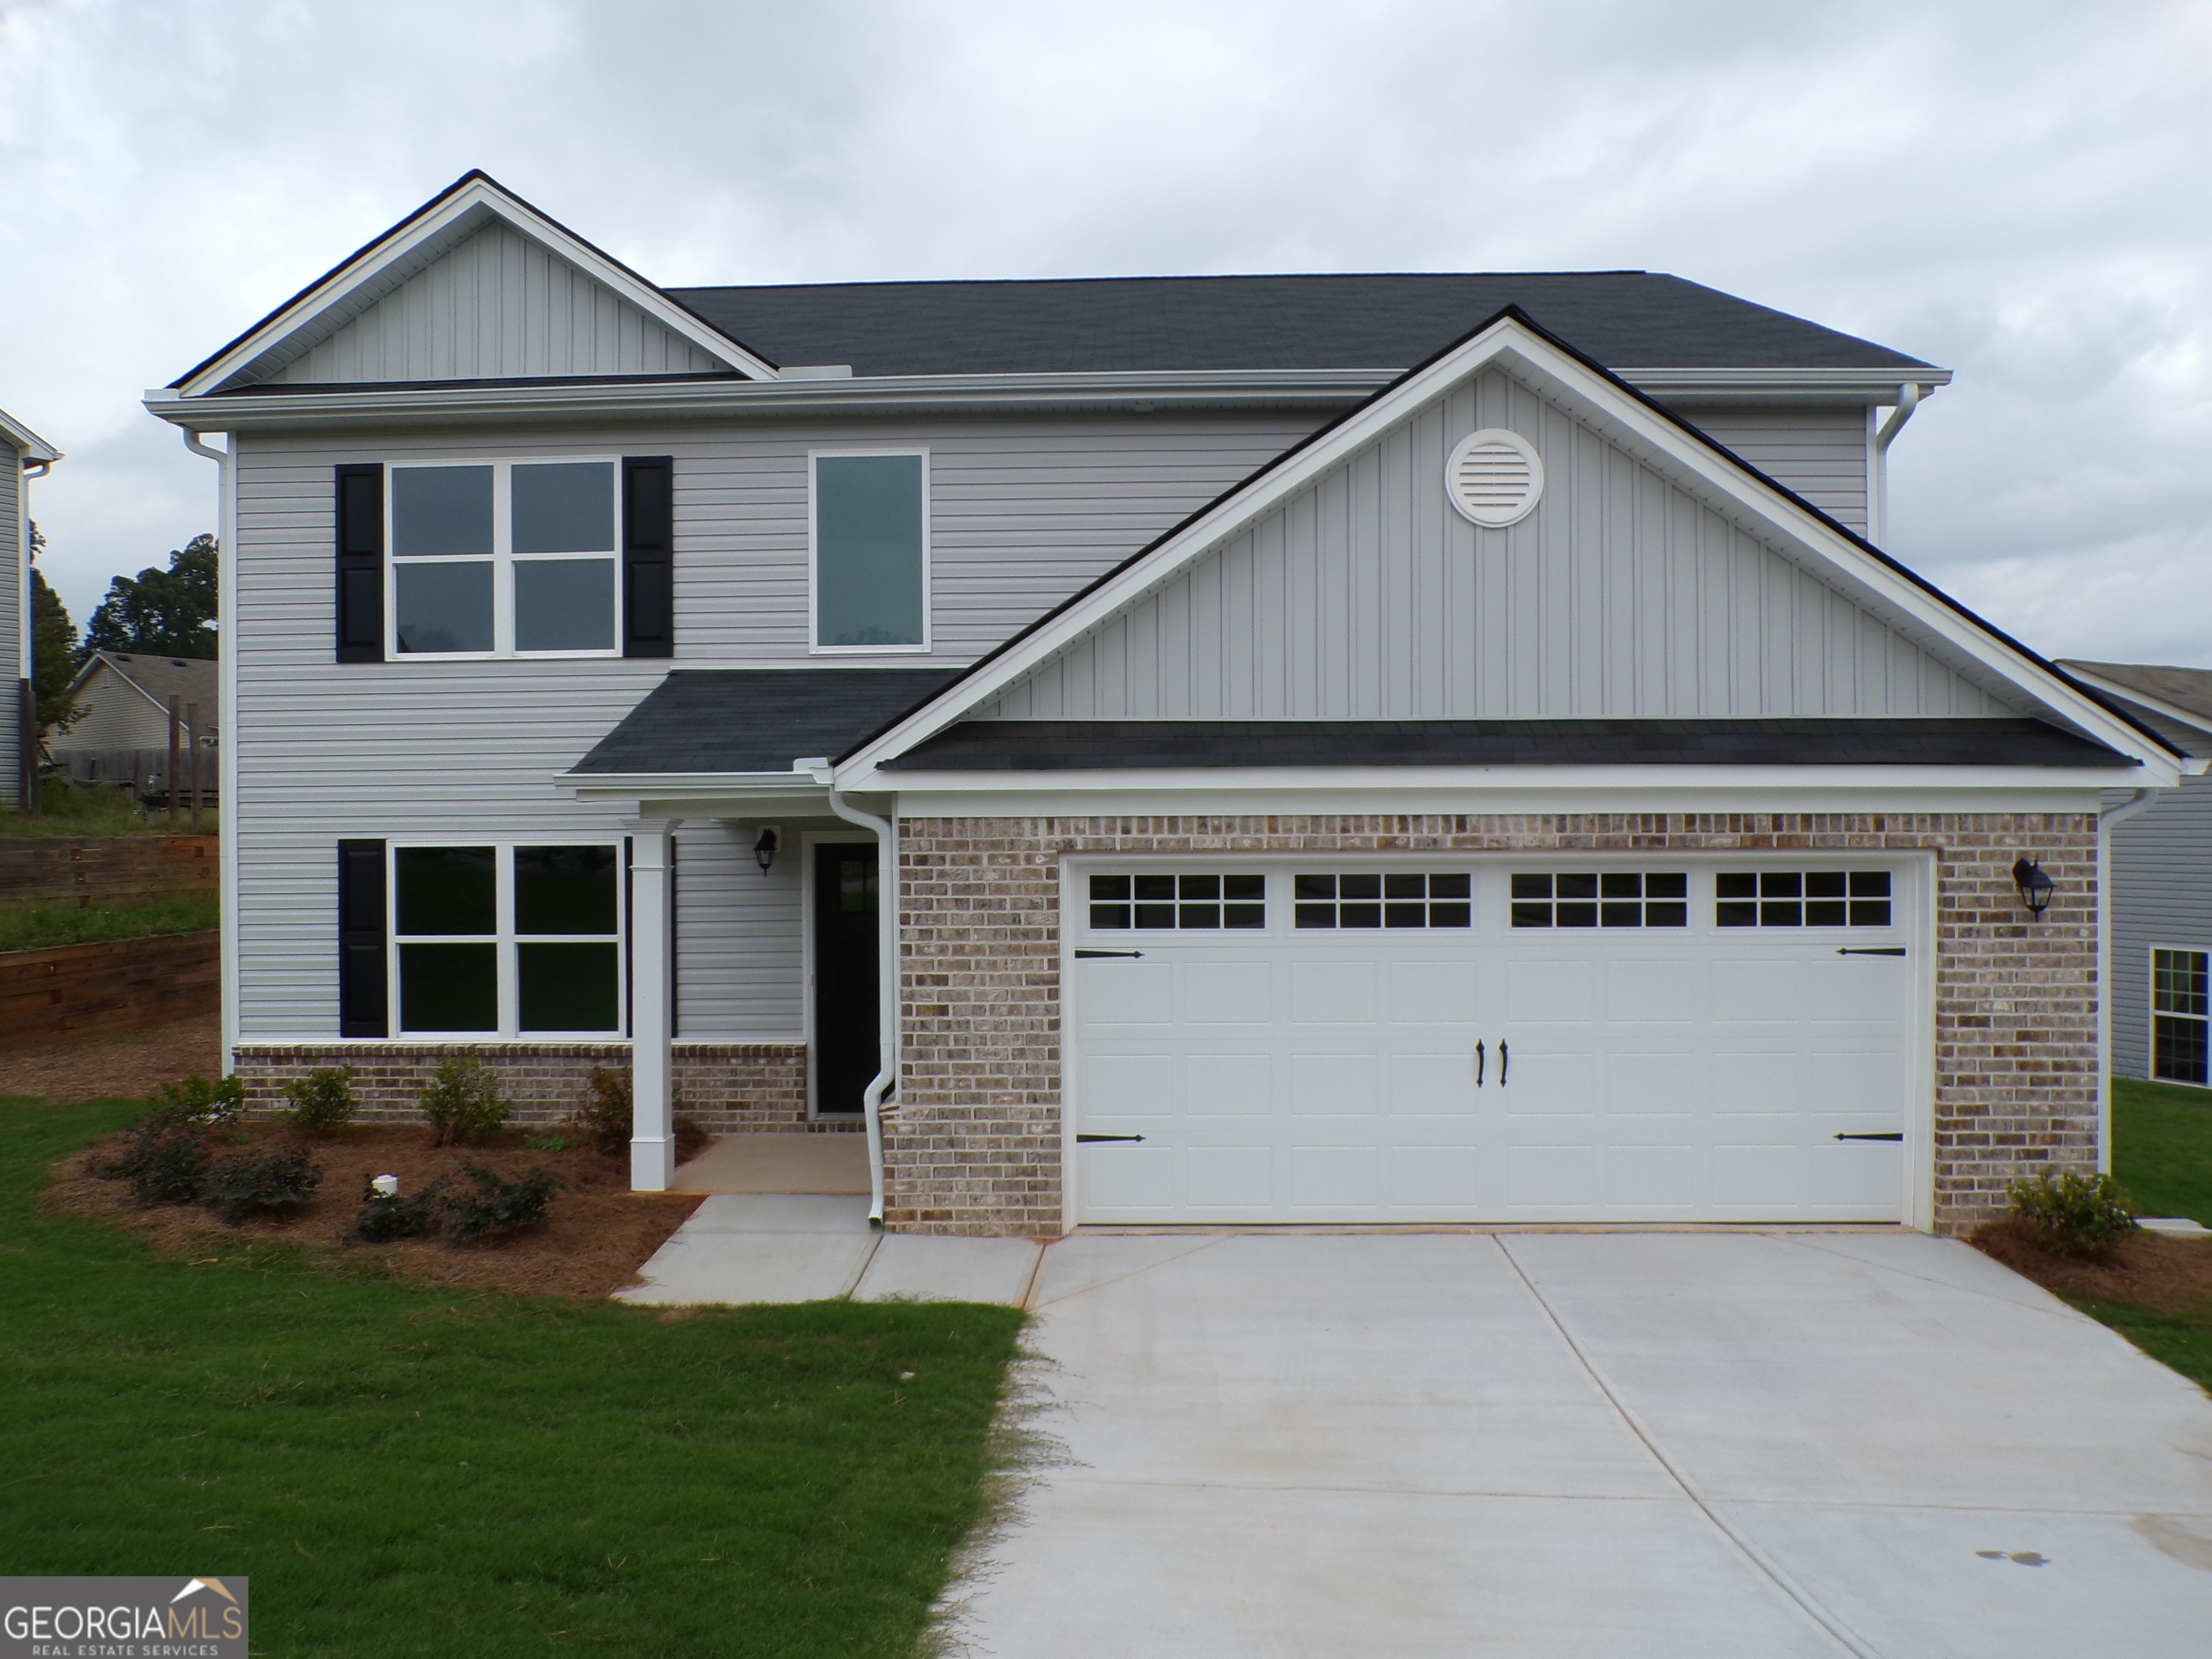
(1627, 320)
(1791, 525)
(2183, 692)
(157, 679)
(466, 206)
(33, 448)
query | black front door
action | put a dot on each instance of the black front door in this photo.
(845, 1014)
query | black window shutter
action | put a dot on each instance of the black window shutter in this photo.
(648, 556)
(362, 944)
(361, 563)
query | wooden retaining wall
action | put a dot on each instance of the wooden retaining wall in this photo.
(70, 993)
(105, 870)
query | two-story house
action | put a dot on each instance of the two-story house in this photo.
(1347, 749)
(24, 456)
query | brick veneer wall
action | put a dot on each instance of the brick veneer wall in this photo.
(730, 1088)
(975, 1146)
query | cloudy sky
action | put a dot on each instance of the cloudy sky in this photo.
(2021, 192)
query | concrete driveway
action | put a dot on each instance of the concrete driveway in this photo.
(1764, 1445)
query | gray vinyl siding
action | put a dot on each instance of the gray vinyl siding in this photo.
(1819, 453)
(1026, 512)
(14, 593)
(118, 716)
(2161, 898)
(498, 306)
(1366, 596)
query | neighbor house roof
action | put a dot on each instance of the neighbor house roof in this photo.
(756, 720)
(19, 437)
(2177, 702)
(158, 679)
(1624, 319)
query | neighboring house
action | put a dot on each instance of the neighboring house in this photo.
(2160, 876)
(24, 456)
(125, 696)
(1358, 749)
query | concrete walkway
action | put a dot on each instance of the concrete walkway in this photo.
(1549, 1446)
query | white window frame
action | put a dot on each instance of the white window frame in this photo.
(813, 558)
(2153, 1014)
(505, 939)
(504, 559)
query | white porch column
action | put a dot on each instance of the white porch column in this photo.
(651, 998)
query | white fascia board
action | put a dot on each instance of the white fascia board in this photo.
(1777, 518)
(887, 394)
(642, 787)
(1013, 801)
(2144, 700)
(1870, 388)
(1314, 781)
(457, 213)
(36, 451)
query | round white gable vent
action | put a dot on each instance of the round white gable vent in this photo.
(1494, 478)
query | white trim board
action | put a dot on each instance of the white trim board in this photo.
(411, 246)
(1779, 521)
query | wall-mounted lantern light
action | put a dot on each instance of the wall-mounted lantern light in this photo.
(2035, 887)
(765, 849)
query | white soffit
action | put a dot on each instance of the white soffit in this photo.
(1776, 518)
(412, 246)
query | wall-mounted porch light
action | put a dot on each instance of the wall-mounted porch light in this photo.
(2035, 887)
(765, 849)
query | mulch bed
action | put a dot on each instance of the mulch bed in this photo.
(598, 1232)
(2149, 1269)
(117, 1068)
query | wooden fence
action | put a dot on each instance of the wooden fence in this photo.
(144, 772)
(71, 993)
(104, 869)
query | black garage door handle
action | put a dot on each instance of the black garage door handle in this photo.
(1084, 1140)
(1894, 1134)
(1082, 955)
(1871, 951)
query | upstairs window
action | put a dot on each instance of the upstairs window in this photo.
(870, 544)
(503, 558)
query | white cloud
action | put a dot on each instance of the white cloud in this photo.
(2009, 189)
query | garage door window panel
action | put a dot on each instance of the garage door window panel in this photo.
(1801, 898)
(1395, 899)
(1610, 898)
(1208, 901)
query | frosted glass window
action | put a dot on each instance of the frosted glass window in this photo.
(871, 553)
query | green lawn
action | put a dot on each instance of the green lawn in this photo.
(404, 1470)
(68, 809)
(33, 926)
(2162, 1147)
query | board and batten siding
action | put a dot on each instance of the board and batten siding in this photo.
(1366, 596)
(1026, 513)
(1819, 453)
(2161, 899)
(500, 306)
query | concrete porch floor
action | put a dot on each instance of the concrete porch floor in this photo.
(819, 1163)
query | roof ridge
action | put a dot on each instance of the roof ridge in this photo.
(1153, 277)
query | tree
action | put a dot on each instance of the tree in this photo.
(53, 649)
(163, 613)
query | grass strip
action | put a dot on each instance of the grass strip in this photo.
(36, 926)
(411, 1472)
(2181, 1338)
(2162, 1147)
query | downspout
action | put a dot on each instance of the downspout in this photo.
(887, 988)
(2138, 801)
(1908, 399)
(226, 535)
(26, 757)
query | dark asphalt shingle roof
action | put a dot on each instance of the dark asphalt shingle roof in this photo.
(1069, 745)
(2189, 689)
(1623, 318)
(756, 720)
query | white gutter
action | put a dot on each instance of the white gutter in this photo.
(226, 535)
(2138, 801)
(1908, 399)
(887, 985)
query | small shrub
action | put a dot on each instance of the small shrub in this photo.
(500, 1205)
(603, 1120)
(383, 1220)
(165, 1164)
(545, 1143)
(239, 1188)
(463, 1102)
(196, 1102)
(2075, 1215)
(321, 1101)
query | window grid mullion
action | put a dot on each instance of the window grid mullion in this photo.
(510, 964)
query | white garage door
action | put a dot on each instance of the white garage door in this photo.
(1333, 1042)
